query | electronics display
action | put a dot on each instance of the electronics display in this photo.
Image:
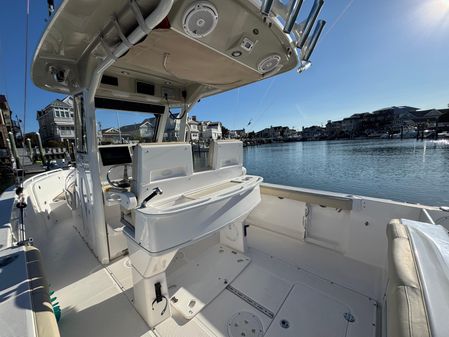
(115, 155)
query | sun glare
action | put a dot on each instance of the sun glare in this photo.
(432, 15)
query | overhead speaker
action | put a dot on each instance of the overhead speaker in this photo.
(200, 19)
(269, 63)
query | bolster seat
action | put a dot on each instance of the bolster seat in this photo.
(406, 308)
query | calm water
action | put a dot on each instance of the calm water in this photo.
(408, 170)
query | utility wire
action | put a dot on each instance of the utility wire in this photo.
(339, 17)
(260, 112)
(2, 67)
(27, 4)
(26, 67)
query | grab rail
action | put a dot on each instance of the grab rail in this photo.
(429, 218)
(315, 198)
(239, 190)
(69, 196)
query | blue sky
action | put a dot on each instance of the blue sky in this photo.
(372, 54)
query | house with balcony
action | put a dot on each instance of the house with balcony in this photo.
(56, 121)
(8, 124)
(274, 132)
(210, 130)
(313, 132)
(144, 130)
(172, 129)
(193, 129)
(112, 136)
(334, 129)
(5, 121)
(237, 134)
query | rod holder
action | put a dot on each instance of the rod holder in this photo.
(293, 11)
(310, 21)
(265, 8)
(311, 43)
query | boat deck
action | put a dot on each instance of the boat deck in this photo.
(268, 298)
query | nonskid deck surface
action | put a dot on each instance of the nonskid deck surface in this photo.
(269, 295)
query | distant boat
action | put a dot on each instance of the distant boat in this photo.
(429, 134)
(443, 135)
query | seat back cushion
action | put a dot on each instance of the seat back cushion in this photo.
(406, 309)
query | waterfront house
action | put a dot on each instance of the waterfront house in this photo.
(172, 129)
(313, 133)
(334, 129)
(265, 133)
(237, 134)
(350, 124)
(193, 129)
(6, 124)
(56, 122)
(210, 130)
(274, 132)
(113, 136)
(428, 117)
(142, 130)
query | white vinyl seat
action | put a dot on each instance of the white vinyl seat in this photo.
(407, 314)
(192, 204)
(160, 165)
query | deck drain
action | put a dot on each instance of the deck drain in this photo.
(349, 317)
(285, 324)
(245, 324)
(128, 263)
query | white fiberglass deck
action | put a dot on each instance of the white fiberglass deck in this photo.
(97, 300)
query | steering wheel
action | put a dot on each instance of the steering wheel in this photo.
(123, 183)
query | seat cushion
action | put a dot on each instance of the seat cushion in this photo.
(406, 309)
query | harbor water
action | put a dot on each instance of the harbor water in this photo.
(407, 170)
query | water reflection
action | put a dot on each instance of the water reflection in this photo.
(409, 170)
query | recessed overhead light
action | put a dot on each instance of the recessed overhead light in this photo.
(123, 72)
(236, 53)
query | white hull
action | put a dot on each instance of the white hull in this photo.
(336, 254)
